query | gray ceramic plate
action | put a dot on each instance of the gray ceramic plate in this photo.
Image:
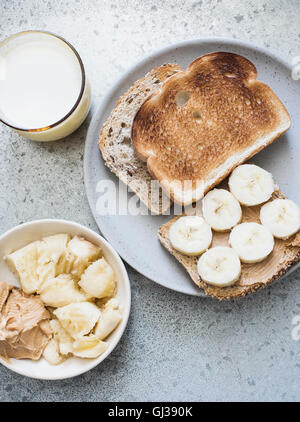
(135, 237)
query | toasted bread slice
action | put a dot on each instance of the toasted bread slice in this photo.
(253, 276)
(204, 122)
(115, 137)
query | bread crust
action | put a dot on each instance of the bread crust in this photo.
(253, 276)
(228, 117)
(115, 137)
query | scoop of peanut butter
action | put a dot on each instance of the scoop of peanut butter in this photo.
(24, 324)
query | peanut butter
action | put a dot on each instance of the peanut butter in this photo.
(24, 324)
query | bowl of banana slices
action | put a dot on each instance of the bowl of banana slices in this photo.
(64, 299)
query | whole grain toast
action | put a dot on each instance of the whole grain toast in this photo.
(115, 137)
(205, 121)
(253, 276)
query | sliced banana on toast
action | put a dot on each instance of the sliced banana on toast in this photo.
(281, 217)
(190, 235)
(221, 210)
(251, 241)
(251, 185)
(219, 266)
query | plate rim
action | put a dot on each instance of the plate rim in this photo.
(99, 109)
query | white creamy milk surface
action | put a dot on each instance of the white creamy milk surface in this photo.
(40, 80)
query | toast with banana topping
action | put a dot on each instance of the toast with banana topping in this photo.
(231, 249)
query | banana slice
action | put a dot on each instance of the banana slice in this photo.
(190, 235)
(61, 291)
(251, 241)
(99, 279)
(219, 266)
(78, 319)
(89, 347)
(50, 249)
(23, 263)
(221, 210)
(109, 320)
(281, 217)
(78, 255)
(251, 185)
(51, 353)
(64, 340)
(37, 261)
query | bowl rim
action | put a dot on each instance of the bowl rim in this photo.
(126, 311)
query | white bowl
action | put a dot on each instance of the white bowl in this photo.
(22, 235)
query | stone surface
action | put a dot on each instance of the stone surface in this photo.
(175, 347)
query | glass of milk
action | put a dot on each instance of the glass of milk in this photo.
(44, 93)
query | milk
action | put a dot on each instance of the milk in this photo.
(43, 92)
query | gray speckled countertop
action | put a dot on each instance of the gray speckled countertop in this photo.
(175, 347)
